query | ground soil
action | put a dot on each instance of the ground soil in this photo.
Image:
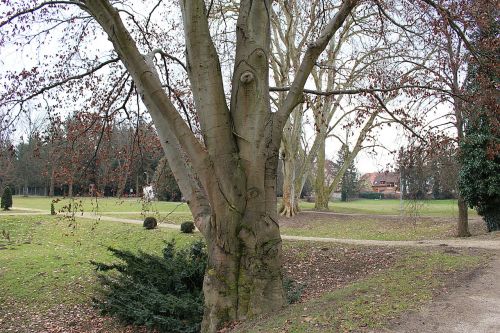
(471, 306)
(320, 268)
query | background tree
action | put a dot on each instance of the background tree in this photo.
(349, 183)
(480, 149)
(7, 157)
(480, 172)
(166, 187)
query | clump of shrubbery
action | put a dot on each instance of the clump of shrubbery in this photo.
(150, 223)
(187, 227)
(164, 293)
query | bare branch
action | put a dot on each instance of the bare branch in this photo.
(44, 4)
(310, 58)
(367, 90)
(382, 104)
(68, 79)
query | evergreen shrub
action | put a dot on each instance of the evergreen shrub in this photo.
(6, 201)
(161, 293)
(187, 227)
(150, 223)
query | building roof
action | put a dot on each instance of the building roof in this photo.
(376, 178)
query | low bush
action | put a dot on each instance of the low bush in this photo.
(371, 195)
(293, 290)
(162, 293)
(150, 223)
(187, 227)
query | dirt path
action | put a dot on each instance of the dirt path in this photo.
(458, 242)
(375, 215)
(471, 308)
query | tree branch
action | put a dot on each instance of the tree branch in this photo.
(34, 9)
(382, 104)
(313, 52)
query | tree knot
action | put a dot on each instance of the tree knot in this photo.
(253, 192)
(246, 77)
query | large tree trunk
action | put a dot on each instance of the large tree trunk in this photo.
(244, 276)
(463, 220)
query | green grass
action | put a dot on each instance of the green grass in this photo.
(370, 303)
(47, 260)
(361, 227)
(436, 208)
(100, 204)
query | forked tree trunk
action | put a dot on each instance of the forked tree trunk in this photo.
(463, 220)
(244, 276)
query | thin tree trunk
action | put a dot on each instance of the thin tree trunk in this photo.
(289, 204)
(320, 189)
(463, 221)
(52, 183)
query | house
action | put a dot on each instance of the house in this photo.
(381, 182)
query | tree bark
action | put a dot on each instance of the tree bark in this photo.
(52, 183)
(322, 198)
(463, 221)
(70, 188)
(289, 205)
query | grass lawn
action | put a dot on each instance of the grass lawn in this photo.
(44, 261)
(365, 228)
(101, 204)
(373, 227)
(436, 208)
(162, 217)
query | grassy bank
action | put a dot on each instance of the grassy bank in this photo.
(46, 261)
(371, 302)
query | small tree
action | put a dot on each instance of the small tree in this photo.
(350, 178)
(6, 199)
